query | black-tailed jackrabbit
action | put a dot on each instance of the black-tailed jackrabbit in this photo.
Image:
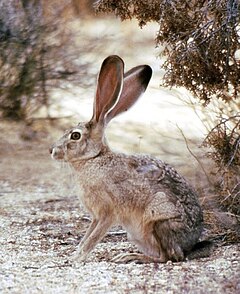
(156, 206)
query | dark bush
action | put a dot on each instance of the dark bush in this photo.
(35, 55)
(224, 140)
(201, 40)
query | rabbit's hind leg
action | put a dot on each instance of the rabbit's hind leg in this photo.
(168, 234)
(147, 244)
(136, 258)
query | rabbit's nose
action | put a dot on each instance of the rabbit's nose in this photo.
(50, 150)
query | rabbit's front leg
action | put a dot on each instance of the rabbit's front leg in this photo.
(94, 234)
(89, 231)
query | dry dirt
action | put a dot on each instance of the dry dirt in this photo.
(41, 223)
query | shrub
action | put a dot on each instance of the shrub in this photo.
(35, 55)
(201, 40)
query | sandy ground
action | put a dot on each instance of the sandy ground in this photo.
(42, 221)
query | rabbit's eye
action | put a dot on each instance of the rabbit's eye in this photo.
(75, 136)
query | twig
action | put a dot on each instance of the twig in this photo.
(223, 122)
(116, 233)
(194, 156)
(50, 118)
(235, 151)
(66, 264)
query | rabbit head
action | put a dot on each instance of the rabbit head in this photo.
(116, 92)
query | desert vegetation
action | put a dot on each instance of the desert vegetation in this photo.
(37, 54)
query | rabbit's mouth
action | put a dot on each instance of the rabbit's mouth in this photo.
(56, 153)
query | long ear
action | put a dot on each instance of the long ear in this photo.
(109, 86)
(135, 83)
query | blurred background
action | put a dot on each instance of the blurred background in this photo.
(50, 55)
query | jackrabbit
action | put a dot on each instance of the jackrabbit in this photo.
(155, 205)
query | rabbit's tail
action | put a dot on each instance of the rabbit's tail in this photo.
(200, 250)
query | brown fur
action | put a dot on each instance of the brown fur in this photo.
(156, 206)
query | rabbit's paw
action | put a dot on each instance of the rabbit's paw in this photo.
(78, 257)
(134, 258)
